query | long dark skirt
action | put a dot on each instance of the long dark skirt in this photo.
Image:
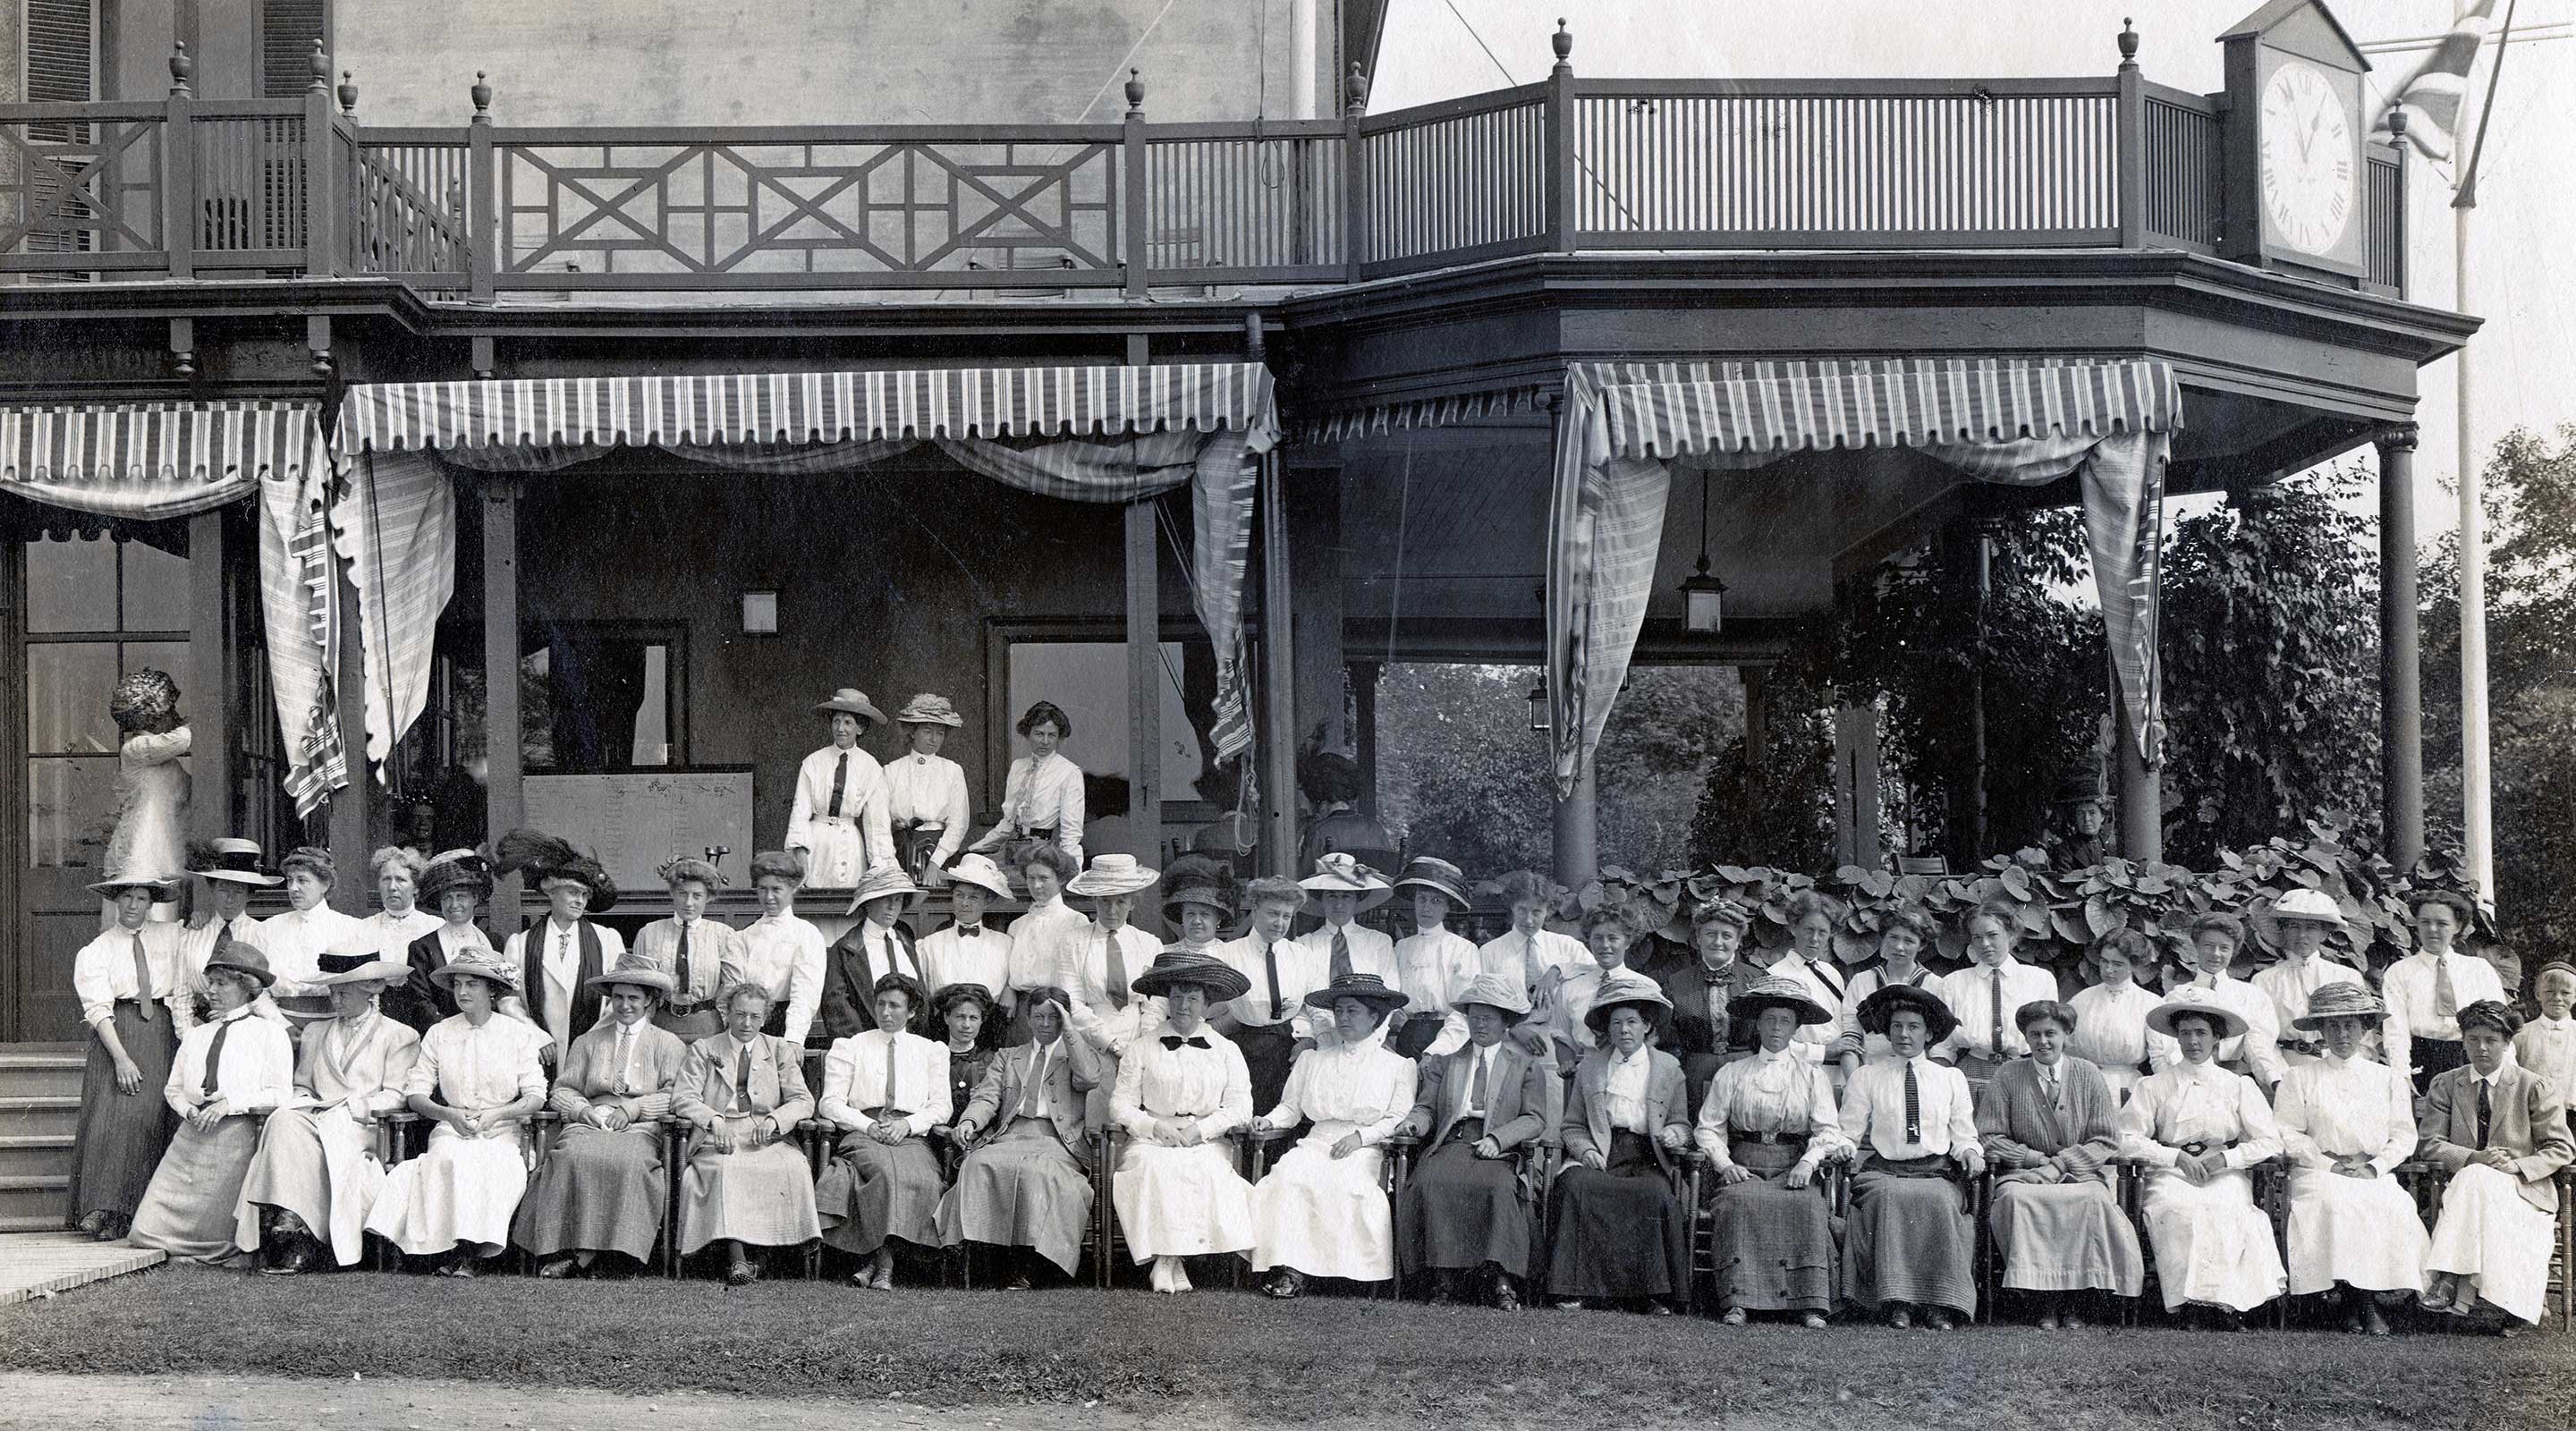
(1910, 1238)
(1772, 1244)
(875, 1193)
(2433, 1057)
(120, 1137)
(1460, 1211)
(1267, 1053)
(598, 1192)
(1618, 1232)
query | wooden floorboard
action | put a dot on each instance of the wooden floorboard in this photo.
(35, 1263)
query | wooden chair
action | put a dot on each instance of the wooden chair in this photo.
(1109, 1244)
(1699, 1211)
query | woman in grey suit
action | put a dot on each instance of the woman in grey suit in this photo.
(1025, 1186)
(1615, 1230)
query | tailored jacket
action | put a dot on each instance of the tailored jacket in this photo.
(1524, 1100)
(850, 980)
(704, 1096)
(2524, 1115)
(587, 1077)
(1586, 1124)
(1073, 1070)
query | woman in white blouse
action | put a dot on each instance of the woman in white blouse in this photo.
(884, 1090)
(927, 810)
(1767, 1125)
(1043, 936)
(2111, 1016)
(2347, 1122)
(1181, 1090)
(228, 1075)
(136, 996)
(478, 1081)
(1320, 1212)
(2200, 1130)
(310, 928)
(1042, 798)
(402, 920)
(836, 823)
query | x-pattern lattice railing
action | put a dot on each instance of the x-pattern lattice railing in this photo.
(76, 185)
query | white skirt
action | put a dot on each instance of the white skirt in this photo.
(836, 854)
(2212, 1244)
(2488, 1234)
(1324, 1216)
(463, 1190)
(319, 1164)
(1181, 1202)
(2359, 1231)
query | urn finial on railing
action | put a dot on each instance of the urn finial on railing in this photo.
(1563, 43)
(1136, 93)
(482, 95)
(182, 69)
(1355, 91)
(2128, 43)
(348, 94)
(319, 63)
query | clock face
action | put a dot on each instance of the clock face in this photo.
(2309, 176)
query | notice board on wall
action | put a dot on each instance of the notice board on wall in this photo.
(636, 821)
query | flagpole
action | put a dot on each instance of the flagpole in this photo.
(2477, 810)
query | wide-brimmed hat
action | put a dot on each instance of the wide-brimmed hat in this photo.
(482, 964)
(636, 972)
(850, 700)
(927, 709)
(2193, 999)
(981, 872)
(1875, 1010)
(1498, 993)
(1367, 988)
(359, 966)
(1781, 994)
(164, 889)
(1438, 876)
(1197, 879)
(451, 870)
(882, 882)
(232, 859)
(1176, 965)
(1341, 873)
(547, 859)
(1621, 988)
(2340, 1000)
(241, 958)
(2300, 903)
(1111, 875)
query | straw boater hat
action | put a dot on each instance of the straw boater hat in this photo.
(547, 859)
(1505, 996)
(1367, 988)
(1197, 879)
(851, 701)
(2340, 1000)
(635, 972)
(1112, 875)
(981, 872)
(1623, 988)
(2193, 999)
(1438, 876)
(454, 869)
(2302, 903)
(242, 958)
(1339, 872)
(482, 964)
(883, 882)
(233, 860)
(164, 889)
(360, 966)
(927, 709)
(1777, 993)
(1875, 1010)
(1176, 965)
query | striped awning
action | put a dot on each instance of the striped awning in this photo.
(152, 460)
(810, 407)
(1446, 410)
(1687, 409)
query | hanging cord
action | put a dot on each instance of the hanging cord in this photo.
(1403, 513)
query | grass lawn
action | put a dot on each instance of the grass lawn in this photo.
(1235, 1357)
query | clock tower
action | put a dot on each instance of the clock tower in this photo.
(2293, 145)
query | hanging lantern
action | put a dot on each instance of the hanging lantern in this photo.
(1703, 595)
(1538, 706)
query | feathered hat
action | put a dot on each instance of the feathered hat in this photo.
(545, 857)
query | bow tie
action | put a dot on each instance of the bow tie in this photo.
(969, 931)
(1175, 1041)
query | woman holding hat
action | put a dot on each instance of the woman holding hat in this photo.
(926, 806)
(310, 928)
(136, 997)
(478, 1082)
(962, 1022)
(559, 955)
(228, 1074)
(741, 1094)
(702, 956)
(1909, 1245)
(401, 918)
(1615, 1229)
(455, 883)
(1701, 989)
(875, 949)
(603, 1188)
(2346, 1123)
(1042, 796)
(883, 1090)
(1181, 1089)
(1433, 966)
(1026, 1186)
(2500, 1131)
(1319, 1211)
(2299, 924)
(1466, 1209)
(1342, 889)
(316, 1177)
(2200, 1130)
(2051, 1126)
(970, 950)
(836, 825)
(1767, 1125)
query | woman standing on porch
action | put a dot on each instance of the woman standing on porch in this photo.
(134, 994)
(837, 823)
(926, 805)
(1042, 798)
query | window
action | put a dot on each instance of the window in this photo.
(599, 696)
(96, 609)
(1081, 666)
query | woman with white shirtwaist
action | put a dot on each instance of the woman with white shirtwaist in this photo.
(926, 805)
(1042, 797)
(837, 822)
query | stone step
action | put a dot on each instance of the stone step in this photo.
(46, 1116)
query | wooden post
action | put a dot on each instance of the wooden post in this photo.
(1856, 792)
(1355, 190)
(1577, 830)
(1132, 177)
(1278, 678)
(1144, 685)
(1561, 167)
(179, 168)
(2130, 109)
(212, 690)
(1315, 595)
(1364, 678)
(505, 799)
(322, 203)
(2401, 695)
(2139, 789)
(482, 197)
(349, 824)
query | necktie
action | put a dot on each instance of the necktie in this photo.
(1913, 1106)
(2446, 999)
(1998, 1045)
(2047, 1089)
(142, 981)
(840, 782)
(625, 1060)
(2486, 1112)
(742, 1080)
(1117, 973)
(889, 1104)
(1476, 1087)
(891, 954)
(1029, 1096)
(683, 970)
(1175, 1041)
(1341, 955)
(1530, 970)
(1270, 960)
(223, 1030)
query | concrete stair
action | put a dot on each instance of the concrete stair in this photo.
(40, 1087)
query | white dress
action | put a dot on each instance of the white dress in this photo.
(1322, 1215)
(151, 834)
(2212, 1243)
(1182, 1201)
(2111, 1032)
(839, 848)
(464, 1190)
(1040, 794)
(2360, 1231)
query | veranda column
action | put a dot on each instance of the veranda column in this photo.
(1144, 687)
(1856, 791)
(1278, 678)
(2140, 790)
(1578, 833)
(209, 682)
(2401, 692)
(504, 797)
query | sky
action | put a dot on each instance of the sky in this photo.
(2522, 234)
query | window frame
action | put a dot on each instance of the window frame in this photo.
(535, 636)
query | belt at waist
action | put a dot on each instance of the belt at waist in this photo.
(1740, 1135)
(842, 820)
(920, 824)
(2207, 1146)
(1043, 832)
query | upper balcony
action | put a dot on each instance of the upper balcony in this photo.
(192, 188)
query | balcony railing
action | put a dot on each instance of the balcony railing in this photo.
(189, 187)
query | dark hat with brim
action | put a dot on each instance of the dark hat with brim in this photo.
(1438, 876)
(243, 959)
(549, 860)
(1777, 994)
(451, 870)
(1876, 1009)
(1367, 988)
(1179, 966)
(360, 967)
